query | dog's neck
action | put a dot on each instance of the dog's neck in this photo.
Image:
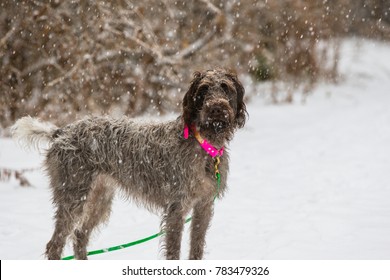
(210, 148)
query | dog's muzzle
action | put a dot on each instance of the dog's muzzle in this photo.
(218, 115)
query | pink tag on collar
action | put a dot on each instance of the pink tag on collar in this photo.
(210, 149)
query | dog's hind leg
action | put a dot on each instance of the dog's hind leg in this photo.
(68, 197)
(63, 227)
(69, 203)
(67, 216)
(201, 217)
(96, 210)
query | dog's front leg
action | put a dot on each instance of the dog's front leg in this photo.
(174, 223)
(201, 217)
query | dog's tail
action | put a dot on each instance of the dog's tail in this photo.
(31, 131)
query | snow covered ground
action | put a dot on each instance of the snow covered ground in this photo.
(307, 181)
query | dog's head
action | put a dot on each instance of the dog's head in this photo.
(215, 103)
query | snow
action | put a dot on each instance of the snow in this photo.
(307, 181)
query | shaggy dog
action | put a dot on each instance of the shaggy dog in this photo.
(155, 164)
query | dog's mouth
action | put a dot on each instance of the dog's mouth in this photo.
(217, 125)
(217, 121)
(216, 116)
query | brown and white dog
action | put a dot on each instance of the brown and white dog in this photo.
(152, 163)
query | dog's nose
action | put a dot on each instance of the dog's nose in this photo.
(219, 114)
(216, 111)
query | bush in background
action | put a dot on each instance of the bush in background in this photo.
(61, 60)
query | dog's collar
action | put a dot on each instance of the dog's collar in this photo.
(210, 149)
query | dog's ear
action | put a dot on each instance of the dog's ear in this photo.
(189, 107)
(241, 107)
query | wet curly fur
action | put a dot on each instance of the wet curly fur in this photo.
(151, 163)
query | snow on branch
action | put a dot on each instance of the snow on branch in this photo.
(195, 46)
(211, 6)
(9, 34)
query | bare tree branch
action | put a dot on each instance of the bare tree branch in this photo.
(66, 75)
(8, 34)
(40, 64)
(211, 6)
(194, 47)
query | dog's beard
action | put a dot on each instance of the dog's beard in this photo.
(216, 126)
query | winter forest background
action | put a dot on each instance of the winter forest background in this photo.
(309, 174)
(60, 60)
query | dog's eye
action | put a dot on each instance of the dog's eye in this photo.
(225, 88)
(200, 94)
(203, 89)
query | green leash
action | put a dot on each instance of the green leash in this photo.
(140, 241)
(124, 246)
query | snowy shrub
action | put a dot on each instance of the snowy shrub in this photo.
(7, 174)
(64, 59)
